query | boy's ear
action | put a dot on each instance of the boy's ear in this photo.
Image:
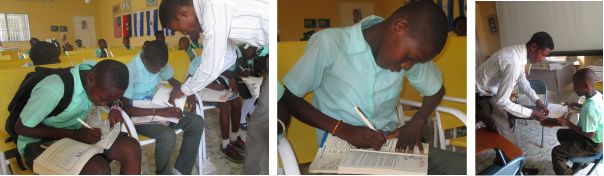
(400, 25)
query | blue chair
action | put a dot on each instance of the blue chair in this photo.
(513, 167)
(596, 159)
(540, 88)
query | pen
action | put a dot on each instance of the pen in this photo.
(84, 123)
(364, 118)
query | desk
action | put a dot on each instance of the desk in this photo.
(486, 139)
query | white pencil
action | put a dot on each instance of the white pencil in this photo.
(364, 118)
(84, 123)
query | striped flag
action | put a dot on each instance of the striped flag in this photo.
(148, 22)
(127, 25)
(140, 23)
(152, 21)
(168, 32)
(135, 23)
(450, 14)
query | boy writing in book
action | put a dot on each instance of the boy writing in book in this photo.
(146, 71)
(98, 85)
(585, 138)
(364, 65)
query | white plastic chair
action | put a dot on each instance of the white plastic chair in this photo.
(286, 154)
(439, 135)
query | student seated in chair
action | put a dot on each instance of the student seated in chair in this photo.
(98, 85)
(126, 42)
(43, 53)
(146, 71)
(233, 147)
(101, 52)
(78, 43)
(585, 138)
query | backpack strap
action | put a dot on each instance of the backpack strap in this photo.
(67, 79)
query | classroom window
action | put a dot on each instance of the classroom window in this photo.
(14, 27)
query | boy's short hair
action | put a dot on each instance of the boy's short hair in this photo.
(585, 75)
(168, 8)
(110, 72)
(543, 40)
(101, 40)
(182, 39)
(156, 53)
(427, 23)
(33, 41)
(44, 53)
(159, 33)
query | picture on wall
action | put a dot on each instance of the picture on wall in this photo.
(116, 9)
(54, 28)
(310, 23)
(151, 3)
(357, 15)
(63, 28)
(126, 6)
(323, 23)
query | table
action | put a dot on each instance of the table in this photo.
(487, 139)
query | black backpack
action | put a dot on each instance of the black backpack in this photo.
(22, 96)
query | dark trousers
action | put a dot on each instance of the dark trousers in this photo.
(494, 118)
(572, 144)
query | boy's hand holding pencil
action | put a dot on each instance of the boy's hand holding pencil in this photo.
(87, 134)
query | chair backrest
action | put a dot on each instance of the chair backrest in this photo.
(512, 168)
(587, 159)
(539, 86)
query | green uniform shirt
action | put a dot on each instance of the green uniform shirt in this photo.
(590, 117)
(45, 96)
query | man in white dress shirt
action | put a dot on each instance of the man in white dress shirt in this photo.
(495, 81)
(222, 22)
(225, 24)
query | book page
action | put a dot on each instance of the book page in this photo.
(329, 157)
(375, 162)
(253, 84)
(66, 156)
(163, 94)
(109, 137)
(151, 119)
(556, 110)
(209, 95)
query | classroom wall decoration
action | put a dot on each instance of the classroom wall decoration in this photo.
(116, 9)
(63, 28)
(310, 23)
(357, 15)
(137, 22)
(54, 28)
(127, 25)
(151, 3)
(117, 27)
(126, 6)
(323, 23)
(152, 25)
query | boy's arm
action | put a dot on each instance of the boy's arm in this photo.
(174, 83)
(133, 111)
(566, 122)
(42, 131)
(411, 133)
(358, 136)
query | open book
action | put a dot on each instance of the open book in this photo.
(253, 84)
(209, 95)
(338, 156)
(68, 156)
(162, 96)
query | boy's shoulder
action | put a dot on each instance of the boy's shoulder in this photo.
(52, 83)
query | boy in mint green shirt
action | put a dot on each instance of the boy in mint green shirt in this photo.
(98, 85)
(364, 65)
(585, 138)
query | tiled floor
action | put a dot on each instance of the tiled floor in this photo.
(215, 165)
(536, 157)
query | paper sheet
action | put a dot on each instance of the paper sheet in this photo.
(151, 119)
(209, 95)
(163, 94)
(556, 110)
(253, 84)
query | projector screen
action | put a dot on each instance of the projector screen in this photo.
(573, 26)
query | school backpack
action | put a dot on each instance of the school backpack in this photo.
(22, 96)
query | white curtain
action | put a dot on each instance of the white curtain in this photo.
(572, 25)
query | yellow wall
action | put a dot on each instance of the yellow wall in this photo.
(43, 14)
(291, 14)
(106, 20)
(488, 43)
